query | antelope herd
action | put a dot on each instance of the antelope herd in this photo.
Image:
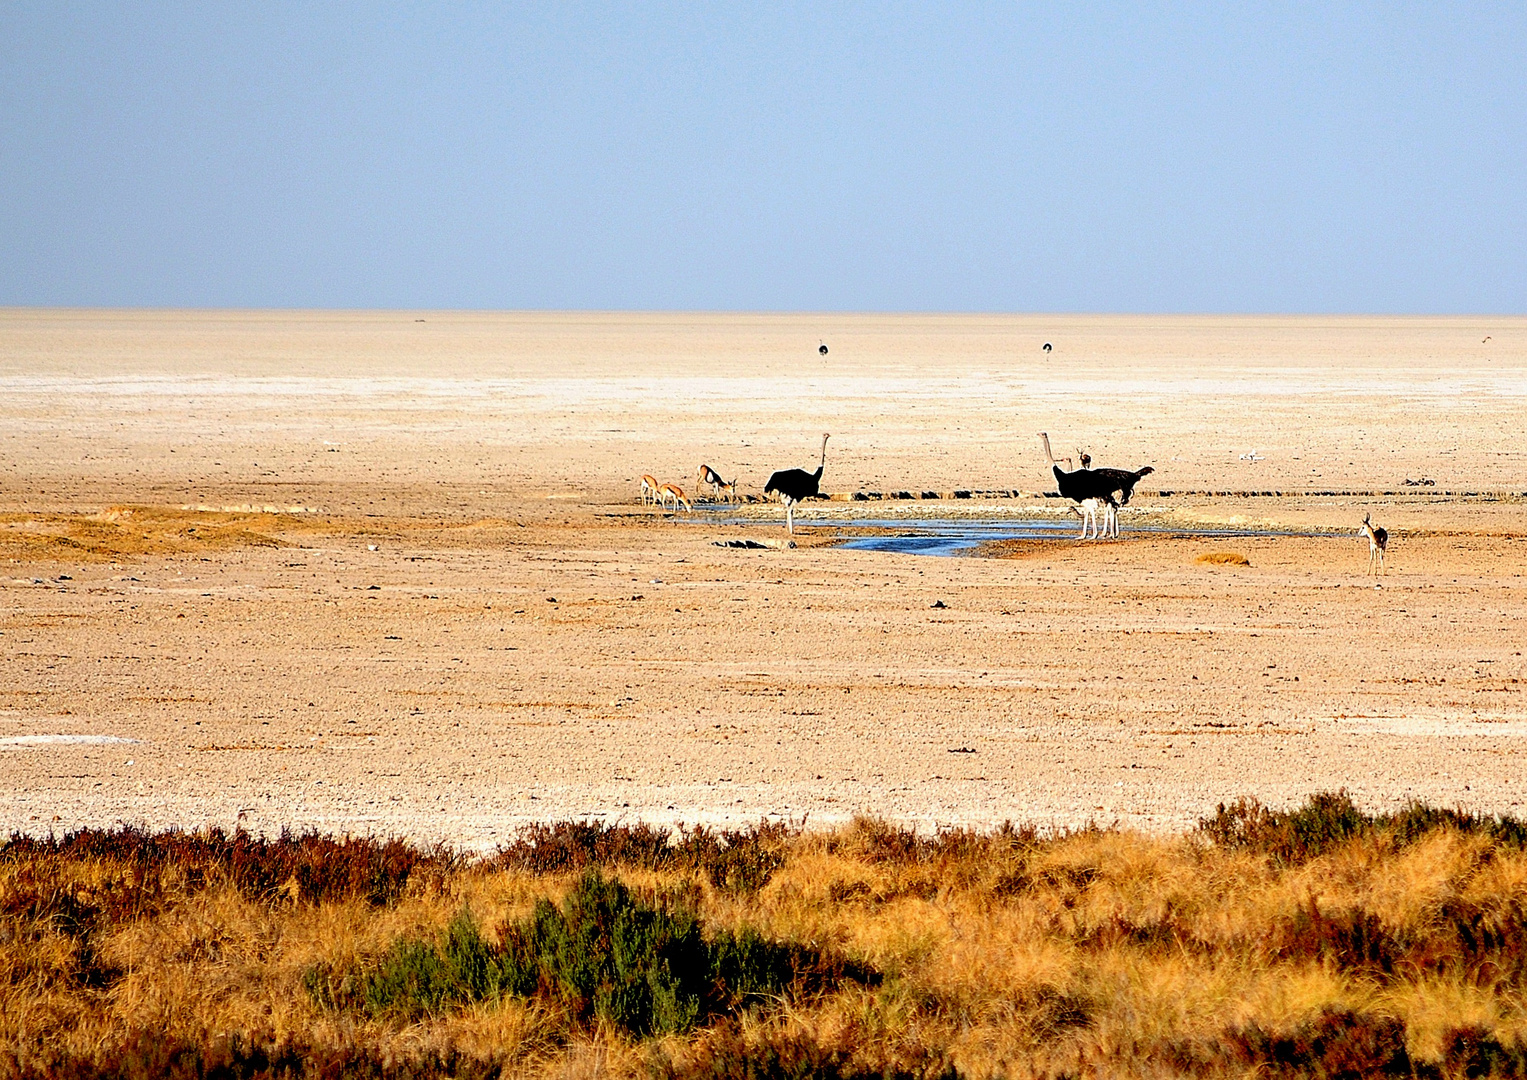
(666, 495)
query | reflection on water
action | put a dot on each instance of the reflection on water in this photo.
(954, 537)
(958, 535)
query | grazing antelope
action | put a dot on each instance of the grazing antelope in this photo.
(649, 489)
(1378, 540)
(707, 475)
(676, 493)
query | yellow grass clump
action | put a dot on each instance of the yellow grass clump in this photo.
(1222, 558)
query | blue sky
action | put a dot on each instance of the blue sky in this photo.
(1106, 158)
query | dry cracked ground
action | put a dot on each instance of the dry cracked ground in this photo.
(456, 618)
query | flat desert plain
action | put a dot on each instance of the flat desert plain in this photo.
(388, 572)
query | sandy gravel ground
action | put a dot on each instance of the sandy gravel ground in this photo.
(461, 620)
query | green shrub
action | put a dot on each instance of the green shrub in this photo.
(644, 968)
(425, 977)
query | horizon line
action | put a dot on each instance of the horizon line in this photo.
(755, 312)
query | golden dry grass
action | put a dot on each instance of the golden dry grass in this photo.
(128, 531)
(1102, 952)
(1222, 558)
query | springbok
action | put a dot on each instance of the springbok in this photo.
(676, 493)
(707, 475)
(1378, 540)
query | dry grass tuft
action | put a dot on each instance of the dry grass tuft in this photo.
(1222, 558)
(128, 531)
(1315, 942)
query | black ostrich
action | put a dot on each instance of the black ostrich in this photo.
(822, 348)
(1094, 484)
(1048, 346)
(796, 485)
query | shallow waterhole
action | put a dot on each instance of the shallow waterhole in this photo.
(957, 535)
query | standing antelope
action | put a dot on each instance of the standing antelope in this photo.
(1378, 540)
(649, 489)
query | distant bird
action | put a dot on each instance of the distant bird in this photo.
(1251, 456)
(1378, 540)
(1048, 346)
(822, 348)
(797, 485)
(1487, 338)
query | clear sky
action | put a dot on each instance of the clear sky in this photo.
(995, 157)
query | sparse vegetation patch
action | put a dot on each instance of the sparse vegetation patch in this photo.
(1316, 941)
(643, 968)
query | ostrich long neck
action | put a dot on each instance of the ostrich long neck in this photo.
(1045, 438)
(822, 466)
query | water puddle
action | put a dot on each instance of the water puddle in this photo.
(951, 536)
(955, 535)
(961, 537)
